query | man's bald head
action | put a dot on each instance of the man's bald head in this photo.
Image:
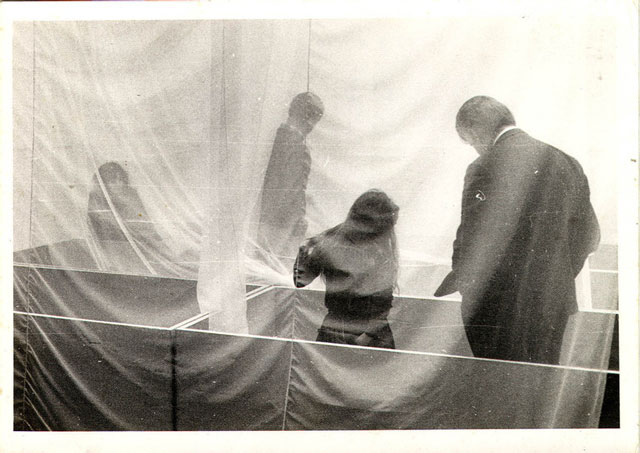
(480, 120)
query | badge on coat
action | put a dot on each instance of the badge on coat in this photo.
(480, 195)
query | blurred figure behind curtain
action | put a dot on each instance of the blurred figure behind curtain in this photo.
(358, 260)
(114, 248)
(526, 229)
(282, 224)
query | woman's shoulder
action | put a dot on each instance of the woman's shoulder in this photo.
(326, 237)
(323, 246)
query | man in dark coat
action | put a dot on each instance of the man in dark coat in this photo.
(526, 230)
(282, 225)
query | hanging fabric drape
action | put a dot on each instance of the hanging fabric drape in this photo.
(243, 119)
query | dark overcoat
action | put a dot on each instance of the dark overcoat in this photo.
(526, 228)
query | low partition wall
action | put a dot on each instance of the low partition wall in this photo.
(75, 371)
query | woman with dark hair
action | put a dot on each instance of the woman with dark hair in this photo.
(358, 260)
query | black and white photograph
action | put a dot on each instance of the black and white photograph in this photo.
(230, 224)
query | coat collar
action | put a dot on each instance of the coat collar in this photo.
(505, 131)
(504, 134)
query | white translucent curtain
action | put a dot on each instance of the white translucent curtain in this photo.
(261, 65)
(188, 109)
(392, 88)
(90, 100)
(191, 109)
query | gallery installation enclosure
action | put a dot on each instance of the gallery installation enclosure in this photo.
(163, 182)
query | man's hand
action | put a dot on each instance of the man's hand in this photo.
(448, 285)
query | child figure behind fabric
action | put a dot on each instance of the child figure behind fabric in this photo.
(358, 260)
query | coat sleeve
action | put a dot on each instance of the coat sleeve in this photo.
(474, 206)
(584, 229)
(495, 198)
(308, 264)
(453, 281)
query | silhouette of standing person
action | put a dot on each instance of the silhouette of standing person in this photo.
(282, 224)
(120, 224)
